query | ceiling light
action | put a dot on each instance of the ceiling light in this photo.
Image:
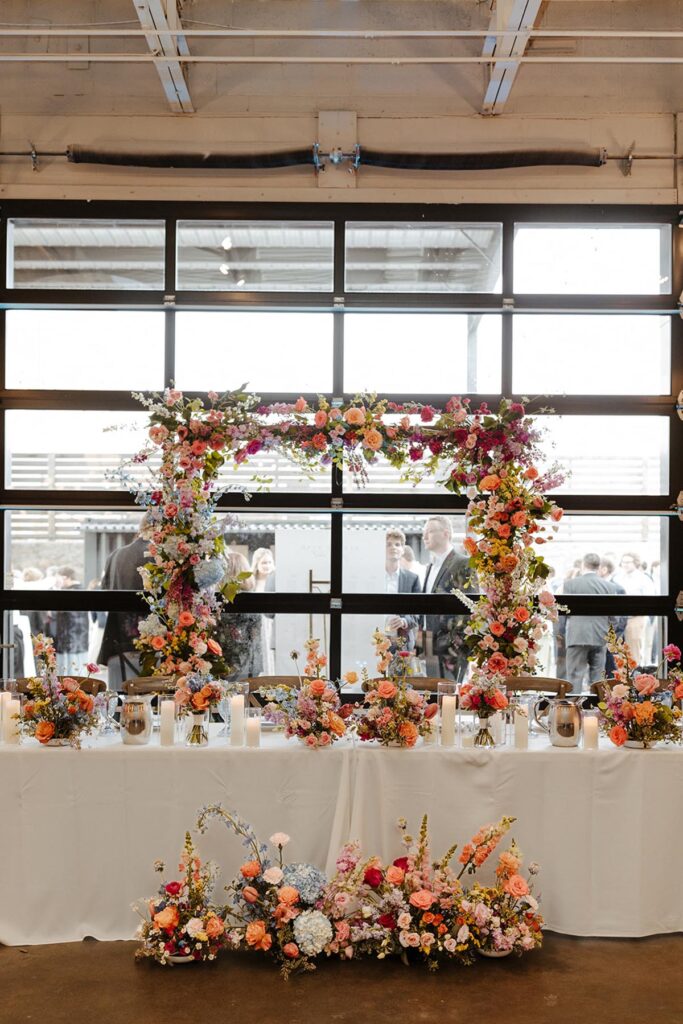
(226, 243)
(224, 268)
(240, 282)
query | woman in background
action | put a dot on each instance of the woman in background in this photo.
(239, 633)
(263, 571)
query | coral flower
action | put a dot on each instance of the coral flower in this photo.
(373, 440)
(497, 662)
(288, 894)
(470, 546)
(618, 735)
(408, 732)
(290, 950)
(214, 647)
(386, 689)
(252, 869)
(257, 936)
(497, 628)
(317, 687)
(521, 614)
(158, 643)
(516, 886)
(355, 417)
(351, 678)
(45, 731)
(167, 919)
(490, 483)
(422, 899)
(185, 619)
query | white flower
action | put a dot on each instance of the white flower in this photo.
(312, 932)
(449, 944)
(194, 926)
(463, 935)
(273, 876)
(279, 839)
(533, 903)
(619, 691)
(404, 920)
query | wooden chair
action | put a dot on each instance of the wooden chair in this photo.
(145, 685)
(86, 684)
(270, 682)
(426, 683)
(601, 689)
(542, 684)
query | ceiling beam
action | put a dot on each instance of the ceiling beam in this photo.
(516, 18)
(159, 18)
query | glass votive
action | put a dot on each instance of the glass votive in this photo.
(252, 727)
(446, 696)
(238, 703)
(11, 718)
(167, 719)
(591, 729)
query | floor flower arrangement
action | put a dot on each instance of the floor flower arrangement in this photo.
(414, 907)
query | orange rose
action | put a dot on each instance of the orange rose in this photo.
(158, 642)
(45, 731)
(290, 950)
(531, 473)
(200, 701)
(373, 440)
(497, 628)
(214, 927)
(422, 899)
(288, 894)
(185, 619)
(408, 731)
(470, 546)
(516, 886)
(521, 614)
(490, 482)
(167, 919)
(214, 648)
(394, 875)
(508, 563)
(618, 735)
(336, 724)
(386, 689)
(317, 687)
(257, 936)
(354, 416)
(252, 869)
(678, 692)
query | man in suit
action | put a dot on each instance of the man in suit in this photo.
(447, 571)
(118, 652)
(399, 581)
(586, 635)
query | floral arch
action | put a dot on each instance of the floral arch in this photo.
(488, 455)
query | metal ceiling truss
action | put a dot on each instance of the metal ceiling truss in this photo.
(163, 32)
(516, 18)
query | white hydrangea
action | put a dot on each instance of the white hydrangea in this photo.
(312, 932)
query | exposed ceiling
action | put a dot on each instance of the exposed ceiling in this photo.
(63, 74)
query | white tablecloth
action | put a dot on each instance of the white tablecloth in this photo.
(80, 829)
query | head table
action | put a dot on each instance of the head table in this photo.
(81, 829)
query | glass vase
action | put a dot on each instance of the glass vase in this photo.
(484, 736)
(197, 729)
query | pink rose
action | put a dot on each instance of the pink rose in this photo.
(342, 931)
(516, 886)
(395, 875)
(320, 418)
(672, 653)
(546, 599)
(422, 899)
(646, 685)
(354, 416)
(300, 405)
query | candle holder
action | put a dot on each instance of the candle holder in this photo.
(167, 720)
(252, 723)
(446, 697)
(238, 702)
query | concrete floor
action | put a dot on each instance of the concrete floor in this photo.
(570, 981)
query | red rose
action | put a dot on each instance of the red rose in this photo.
(401, 863)
(373, 877)
(173, 888)
(387, 921)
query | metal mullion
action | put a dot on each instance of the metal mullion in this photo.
(71, 500)
(605, 305)
(76, 401)
(507, 324)
(72, 298)
(304, 300)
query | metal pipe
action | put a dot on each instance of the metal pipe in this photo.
(247, 33)
(151, 58)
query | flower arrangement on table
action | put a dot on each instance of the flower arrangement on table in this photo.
(181, 923)
(393, 712)
(638, 707)
(272, 907)
(58, 711)
(312, 712)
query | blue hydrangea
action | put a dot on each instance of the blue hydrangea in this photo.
(306, 879)
(208, 575)
(312, 932)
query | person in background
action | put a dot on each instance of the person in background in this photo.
(117, 652)
(71, 629)
(636, 583)
(447, 571)
(239, 633)
(410, 562)
(263, 574)
(586, 635)
(33, 579)
(399, 581)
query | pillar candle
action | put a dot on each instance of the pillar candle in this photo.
(253, 731)
(167, 723)
(521, 729)
(448, 720)
(497, 728)
(5, 698)
(590, 732)
(10, 725)
(237, 720)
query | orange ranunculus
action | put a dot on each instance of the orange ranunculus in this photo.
(355, 416)
(252, 869)
(257, 936)
(422, 899)
(290, 950)
(45, 731)
(373, 440)
(167, 919)
(490, 482)
(214, 927)
(644, 713)
(386, 689)
(158, 643)
(470, 546)
(317, 687)
(618, 735)
(336, 724)
(288, 894)
(408, 732)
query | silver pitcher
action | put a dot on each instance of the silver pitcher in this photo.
(564, 718)
(136, 719)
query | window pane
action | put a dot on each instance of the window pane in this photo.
(422, 353)
(268, 351)
(423, 257)
(256, 256)
(71, 450)
(286, 552)
(52, 253)
(373, 543)
(609, 454)
(587, 259)
(83, 349)
(633, 550)
(566, 657)
(592, 355)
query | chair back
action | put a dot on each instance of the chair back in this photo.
(426, 683)
(542, 684)
(601, 689)
(270, 682)
(145, 685)
(85, 683)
